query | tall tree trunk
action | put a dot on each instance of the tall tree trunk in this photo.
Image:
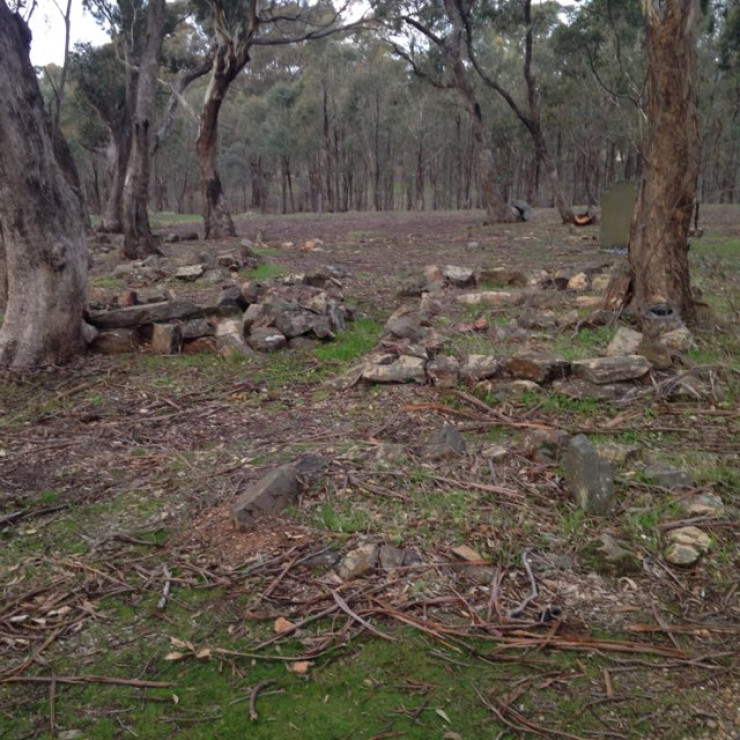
(138, 240)
(111, 221)
(42, 233)
(658, 249)
(217, 219)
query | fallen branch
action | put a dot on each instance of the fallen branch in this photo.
(344, 606)
(166, 589)
(514, 613)
(84, 678)
(253, 698)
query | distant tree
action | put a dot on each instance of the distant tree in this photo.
(43, 255)
(658, 249)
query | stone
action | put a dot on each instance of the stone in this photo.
(617, 206)
(89, 333)
(149, 313)
(579, 388)
(679, 339)
(676, 553)
(502, 276)
(266, 339)
(495, 453)
(232, 344)
(601, 370)
(412, 286)
(404, 369)
(115, 342)
(624, 342)
(405, 327)
(479, 367)
(490, 298)
(166, 339)
(667, 476)
(459, 277)
(230, 326)
(463, 552)
(200, 345)
(539, 368)
(618, 290)
(197, 328)
(538, 321)
(545, 446)
(703, 504)
(618, 455)
(446, 443)
(588, 477)
(433, 274)
(128, 298)
(391, 557)
(251, 291)
(609, 556)
(272, 493)
(589, 301)
(358, 562)
(443, 371)
(658, 355)
(232, 295)
(599, 283)
(579, 281)
(691, 536)
(522, 209)
(516, 388)
(190, 273)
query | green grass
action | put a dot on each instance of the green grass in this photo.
(265, 271)
(350, 345)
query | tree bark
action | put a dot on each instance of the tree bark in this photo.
(658, 249)
(138, 240)
(42, 233)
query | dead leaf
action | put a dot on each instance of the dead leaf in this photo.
(443, 714)
(300, 667)
(174, 656)
(282, 625)
(203, 654)
(182, 643)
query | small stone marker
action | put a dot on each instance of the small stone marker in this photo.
(617, 206)
(272, 493)
(589, 477)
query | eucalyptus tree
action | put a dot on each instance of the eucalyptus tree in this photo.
(432, 38)
(43, 254)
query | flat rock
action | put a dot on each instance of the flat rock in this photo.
(490, 298)
(679, 339)
(677, 553)
(403, 370)
(703, 504)
(624, 342)
(667, 476)
(190, 273)
(618, 455)
(358, 562)
(503, 276)
(266, 339)
(691, 536)
(539, 368)
(166, 339)
(270, 494)
(588, 477)
(443, 371)
(447, 442)
(460, 277)
(610, 556)
(579, 388)
(602, 370)
(479, 367)
(115, 342)
(150, 313)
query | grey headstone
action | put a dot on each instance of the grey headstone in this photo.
(589, 477)
(617, 206)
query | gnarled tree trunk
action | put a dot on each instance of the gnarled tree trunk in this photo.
(658, 249)
(42, 232)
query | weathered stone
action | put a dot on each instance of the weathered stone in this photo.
(545, 446)
(128, 298)
(677, 553)
(115, 342)
(459, 277)
(412, 286)
(405, 327)
(659, 356)
(443, 371)
(692, 536)
(659, 319)
(679, 339)
(579, 388)
(617, 206)
(391, 557)
(190, 273)
(589, 477)
(539, 368)
(601, 370)
(667, 476)
(197, 328)
(490, 298)
(270, 494)
(266, 339)
(522, 210)
(479, 367)
(230, 326)
(89, 333)
(541, 320)
(589, 301)
(232, 344)
(618, 454)
(251, 291)
(609, 556)
(579, 281)
(200, 345)
(150, 313)
(517, 388)
(447, 442)
(599, 283)
(703, 504)
(502, 276)
(403, 370)
(618, 289)
(429, 307)
(232, 294)
(166, 339)
(358, 562)
(624, 342)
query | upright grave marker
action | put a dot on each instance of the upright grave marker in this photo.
(617, 206)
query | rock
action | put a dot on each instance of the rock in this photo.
(703, 504)
(667, 476)
(601, 370)
(618, 455)
(691, 536)
(679, 339)
(545, 447)
(408, 326)
(251, 291)
(490, 298)
(522, 209)
(579, 388)
(358, 562)
(610, 556)
(588, 301)
(495, 453)
(200, 345)
(266, 339)
(232, 295)
(232, 344)
(624, 342)
(190, 273)
(502, 276)
(89, 333)
(150, 313)
(517, 388)
(270, 494)
(391, 557)
(600, 283)
(447, 442)
(479, 367)
(412, 287)
(443, 371)
(677, 553)
(403, 370)
(128, 298)
(230, 326)
(579, 281)
(459, 277)
(539, 368)
(541, 320)
(197, 328)
(659, 319)
(588, 477)
(115, 342)
(463, 552)
(166, 339)
(618, 290)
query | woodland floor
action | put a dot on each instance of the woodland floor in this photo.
(116, 476)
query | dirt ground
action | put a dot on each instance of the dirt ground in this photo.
(90, 438)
